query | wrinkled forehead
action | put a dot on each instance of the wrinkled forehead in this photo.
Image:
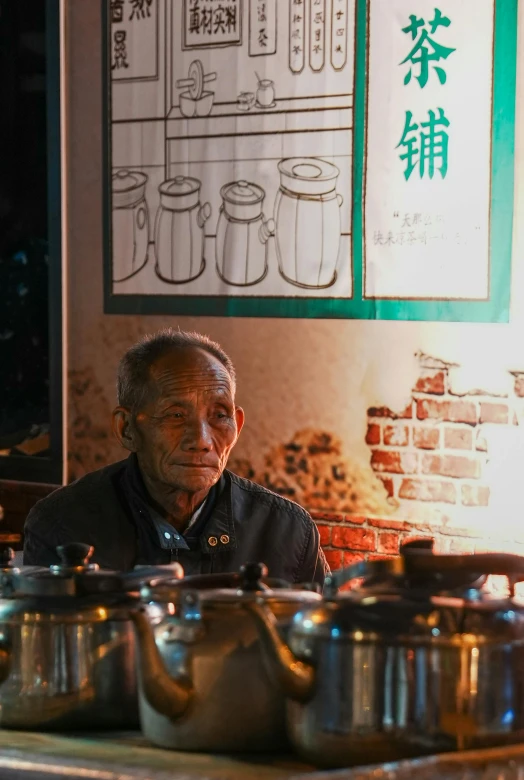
(183, 371)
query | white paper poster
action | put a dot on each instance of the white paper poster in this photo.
(428, 156)
(232, 173)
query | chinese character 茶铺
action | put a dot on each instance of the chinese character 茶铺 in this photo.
(425, 148)
(426, 49)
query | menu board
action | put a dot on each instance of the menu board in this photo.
(317, 158)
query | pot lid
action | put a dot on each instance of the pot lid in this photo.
(127, 181)
(76, 576)
(242, 193)
(418, 592)
(305, 169)
(249, 584)
(180, 185)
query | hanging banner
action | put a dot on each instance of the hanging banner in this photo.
(428, 156)
(311, 158)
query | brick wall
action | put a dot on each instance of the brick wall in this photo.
(347, 539)
(432, 455)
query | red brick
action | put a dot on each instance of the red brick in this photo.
(379, 557)
(457, 466)
(428, 490)
(394, 462)
(325, 534)
(354, 538)
(384, 411)
(449, 411)
(389, 485)
(426, 438)
(334, 559)
(329, 517)
(494, 413)
(390, 523)
(519, 386)
(431, 381)
(388, 543)
(355, 519)
(475, 496)
(351, 558)
(396, 435)
(373, 434)
(458, 438)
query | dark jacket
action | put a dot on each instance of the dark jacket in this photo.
(246, 523)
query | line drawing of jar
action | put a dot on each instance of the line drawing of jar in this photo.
(130, 215)
(242, 235)
(307, 218)
(179, 231)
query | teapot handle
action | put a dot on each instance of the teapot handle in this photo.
(203, 214)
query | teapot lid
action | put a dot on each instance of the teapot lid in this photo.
(76, 576)
(180, 185)
(127, 181)
(251, 583)
(242, 193)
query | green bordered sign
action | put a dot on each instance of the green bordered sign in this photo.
(359, 164)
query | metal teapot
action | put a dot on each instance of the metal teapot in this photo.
(416, 660)
(203, 684)
(67, 644)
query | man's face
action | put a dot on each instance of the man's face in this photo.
(186, 428)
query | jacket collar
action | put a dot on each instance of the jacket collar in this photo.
(217, 535)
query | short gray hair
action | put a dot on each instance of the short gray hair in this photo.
(134, 370)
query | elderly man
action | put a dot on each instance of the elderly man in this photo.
(172, 499)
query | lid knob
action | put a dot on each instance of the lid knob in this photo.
(179, 179)
(75, 554)
(416, 544)
(6, 556)
(251, 575)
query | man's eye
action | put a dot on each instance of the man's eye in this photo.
(174, 415)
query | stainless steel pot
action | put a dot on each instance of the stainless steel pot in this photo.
(179, 231)
(241, 245)
(307, 217)
(130, 240)
(67, 645)
(404, 666)
(203, 682)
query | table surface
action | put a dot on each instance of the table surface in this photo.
(130, 755)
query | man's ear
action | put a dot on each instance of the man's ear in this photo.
(240, 418)
(124, 428)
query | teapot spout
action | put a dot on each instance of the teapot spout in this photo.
(296, 678)
(166, 695)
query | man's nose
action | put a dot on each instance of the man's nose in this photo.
(198, 435)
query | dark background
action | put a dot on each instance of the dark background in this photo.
(24, 277)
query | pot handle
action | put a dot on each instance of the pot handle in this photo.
(266, 230)
(363, 569)
(295, 678)
(5, 660)
(203, 215)
(165, 694)
(340, 199)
